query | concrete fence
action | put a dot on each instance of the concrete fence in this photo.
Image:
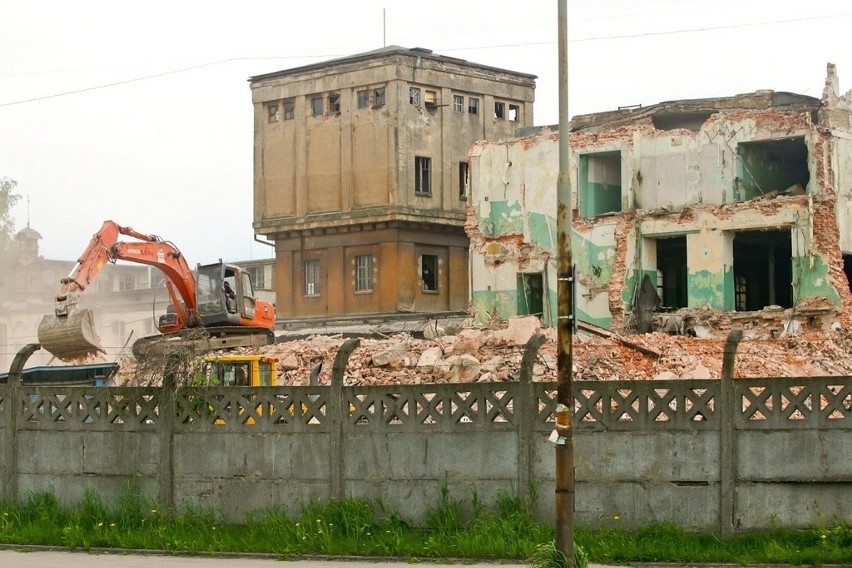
(703, 454)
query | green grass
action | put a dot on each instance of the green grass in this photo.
(454, 529)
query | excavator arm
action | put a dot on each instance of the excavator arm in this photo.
(69, 333)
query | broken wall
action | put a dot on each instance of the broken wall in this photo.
(735, 211)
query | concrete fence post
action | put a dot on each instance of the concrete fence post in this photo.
(338, 409)
(526, 411)
(166, 432)
(727, 438)
(14, 410)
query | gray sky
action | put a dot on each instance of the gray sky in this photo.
(167, 148)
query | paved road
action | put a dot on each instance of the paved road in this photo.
(41, 559)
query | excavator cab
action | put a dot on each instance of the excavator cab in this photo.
(225, 294)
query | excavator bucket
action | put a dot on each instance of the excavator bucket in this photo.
(71, 337)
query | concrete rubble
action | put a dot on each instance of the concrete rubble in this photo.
(493, 352)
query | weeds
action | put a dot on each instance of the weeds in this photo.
(455, 528)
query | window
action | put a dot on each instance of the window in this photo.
(530, 294)
(316, 106)
(126, 283)
(363, 99)
(458, 103)
(118, 329)
(499, 110)
(414, 96)
(763, 269)
(379, 97)
(429, 273)
(289, 110)
(771, 165)
(672, 272)
(514, 113)
(473, 105)
(334, 102)
(272, 112)
(364, 273)
(463, 172)
(430, 98)
(258, 274)
(422, 179)
(600, 183)
(311, 270)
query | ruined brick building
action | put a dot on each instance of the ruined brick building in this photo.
(360, 170)
(689, 216)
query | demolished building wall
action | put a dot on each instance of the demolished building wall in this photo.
(689, 216)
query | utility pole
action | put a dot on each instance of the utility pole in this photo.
(564, 435)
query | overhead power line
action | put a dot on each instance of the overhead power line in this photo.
(443, 49)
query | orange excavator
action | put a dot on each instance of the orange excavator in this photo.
(216, 303)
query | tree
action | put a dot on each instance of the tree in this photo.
(8, 199)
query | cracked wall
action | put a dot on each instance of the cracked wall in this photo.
(757, 190)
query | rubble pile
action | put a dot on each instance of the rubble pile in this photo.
(494, 353)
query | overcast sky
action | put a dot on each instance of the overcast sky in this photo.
(141, 112)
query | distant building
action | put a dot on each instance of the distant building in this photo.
(689, 216)
(360, 177)
(126, 299)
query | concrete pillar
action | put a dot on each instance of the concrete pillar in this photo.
(526, 410)
(727, 438)
(338, 411)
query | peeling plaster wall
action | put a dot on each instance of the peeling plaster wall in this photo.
(675, 183)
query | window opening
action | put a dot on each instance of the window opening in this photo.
(514, 113)
(422, 175)
(364, 273)
(312, 277)
(763, 270)
(463, 175)
(847, 268)
(363, 99)
(429, 272)
(473, 105)
(272, 111)
(414, 96)
(316, 106)
(126, 282)
(289, 110)
(379, 97)
(334, 102)
(672, 272)
(458, 103)
(530, 294)
(430, 99)
(257, 276)
(499, 110)
(771, 165)
(600, 183)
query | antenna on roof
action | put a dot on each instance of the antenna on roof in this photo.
(384, 29)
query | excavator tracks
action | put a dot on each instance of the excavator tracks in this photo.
(202, 339)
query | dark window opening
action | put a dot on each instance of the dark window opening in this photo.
(363, 99)
(272, 111)
(429, 272)
(847, 269)
(600, 183)
(316, 106)
(499, 110)
(289, 110)
(771, 165)
(334, 102)
(463, 176)
(311, 270)
(364, 273)
(422, 175)
(379, 97)
(672, 272)
(763, 270)
(531, 294)
(473, 105)
(514, 113)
